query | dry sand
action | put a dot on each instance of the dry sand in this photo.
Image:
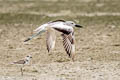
(97, 54)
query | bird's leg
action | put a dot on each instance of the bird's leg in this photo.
(21, 71)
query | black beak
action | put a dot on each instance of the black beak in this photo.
(78, 26)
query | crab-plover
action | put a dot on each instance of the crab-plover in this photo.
(65, 27)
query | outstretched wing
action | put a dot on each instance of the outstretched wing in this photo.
(50, 38)
(68, 43)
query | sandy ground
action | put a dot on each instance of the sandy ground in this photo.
(97, 43)
(97, 55)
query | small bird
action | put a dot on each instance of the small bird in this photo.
(22, 62)
(65, 27)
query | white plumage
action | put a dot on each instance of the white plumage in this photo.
(22, 62)
(65, 27)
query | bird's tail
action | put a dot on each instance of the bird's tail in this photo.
(12, 63)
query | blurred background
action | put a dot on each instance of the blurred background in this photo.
(97, 43)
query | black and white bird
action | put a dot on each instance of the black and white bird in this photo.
(66, 28)
(22, 62)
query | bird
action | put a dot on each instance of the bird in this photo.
(22, 62)
(67, 32)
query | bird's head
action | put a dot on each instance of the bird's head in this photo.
(28, 57)
(73, 24)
